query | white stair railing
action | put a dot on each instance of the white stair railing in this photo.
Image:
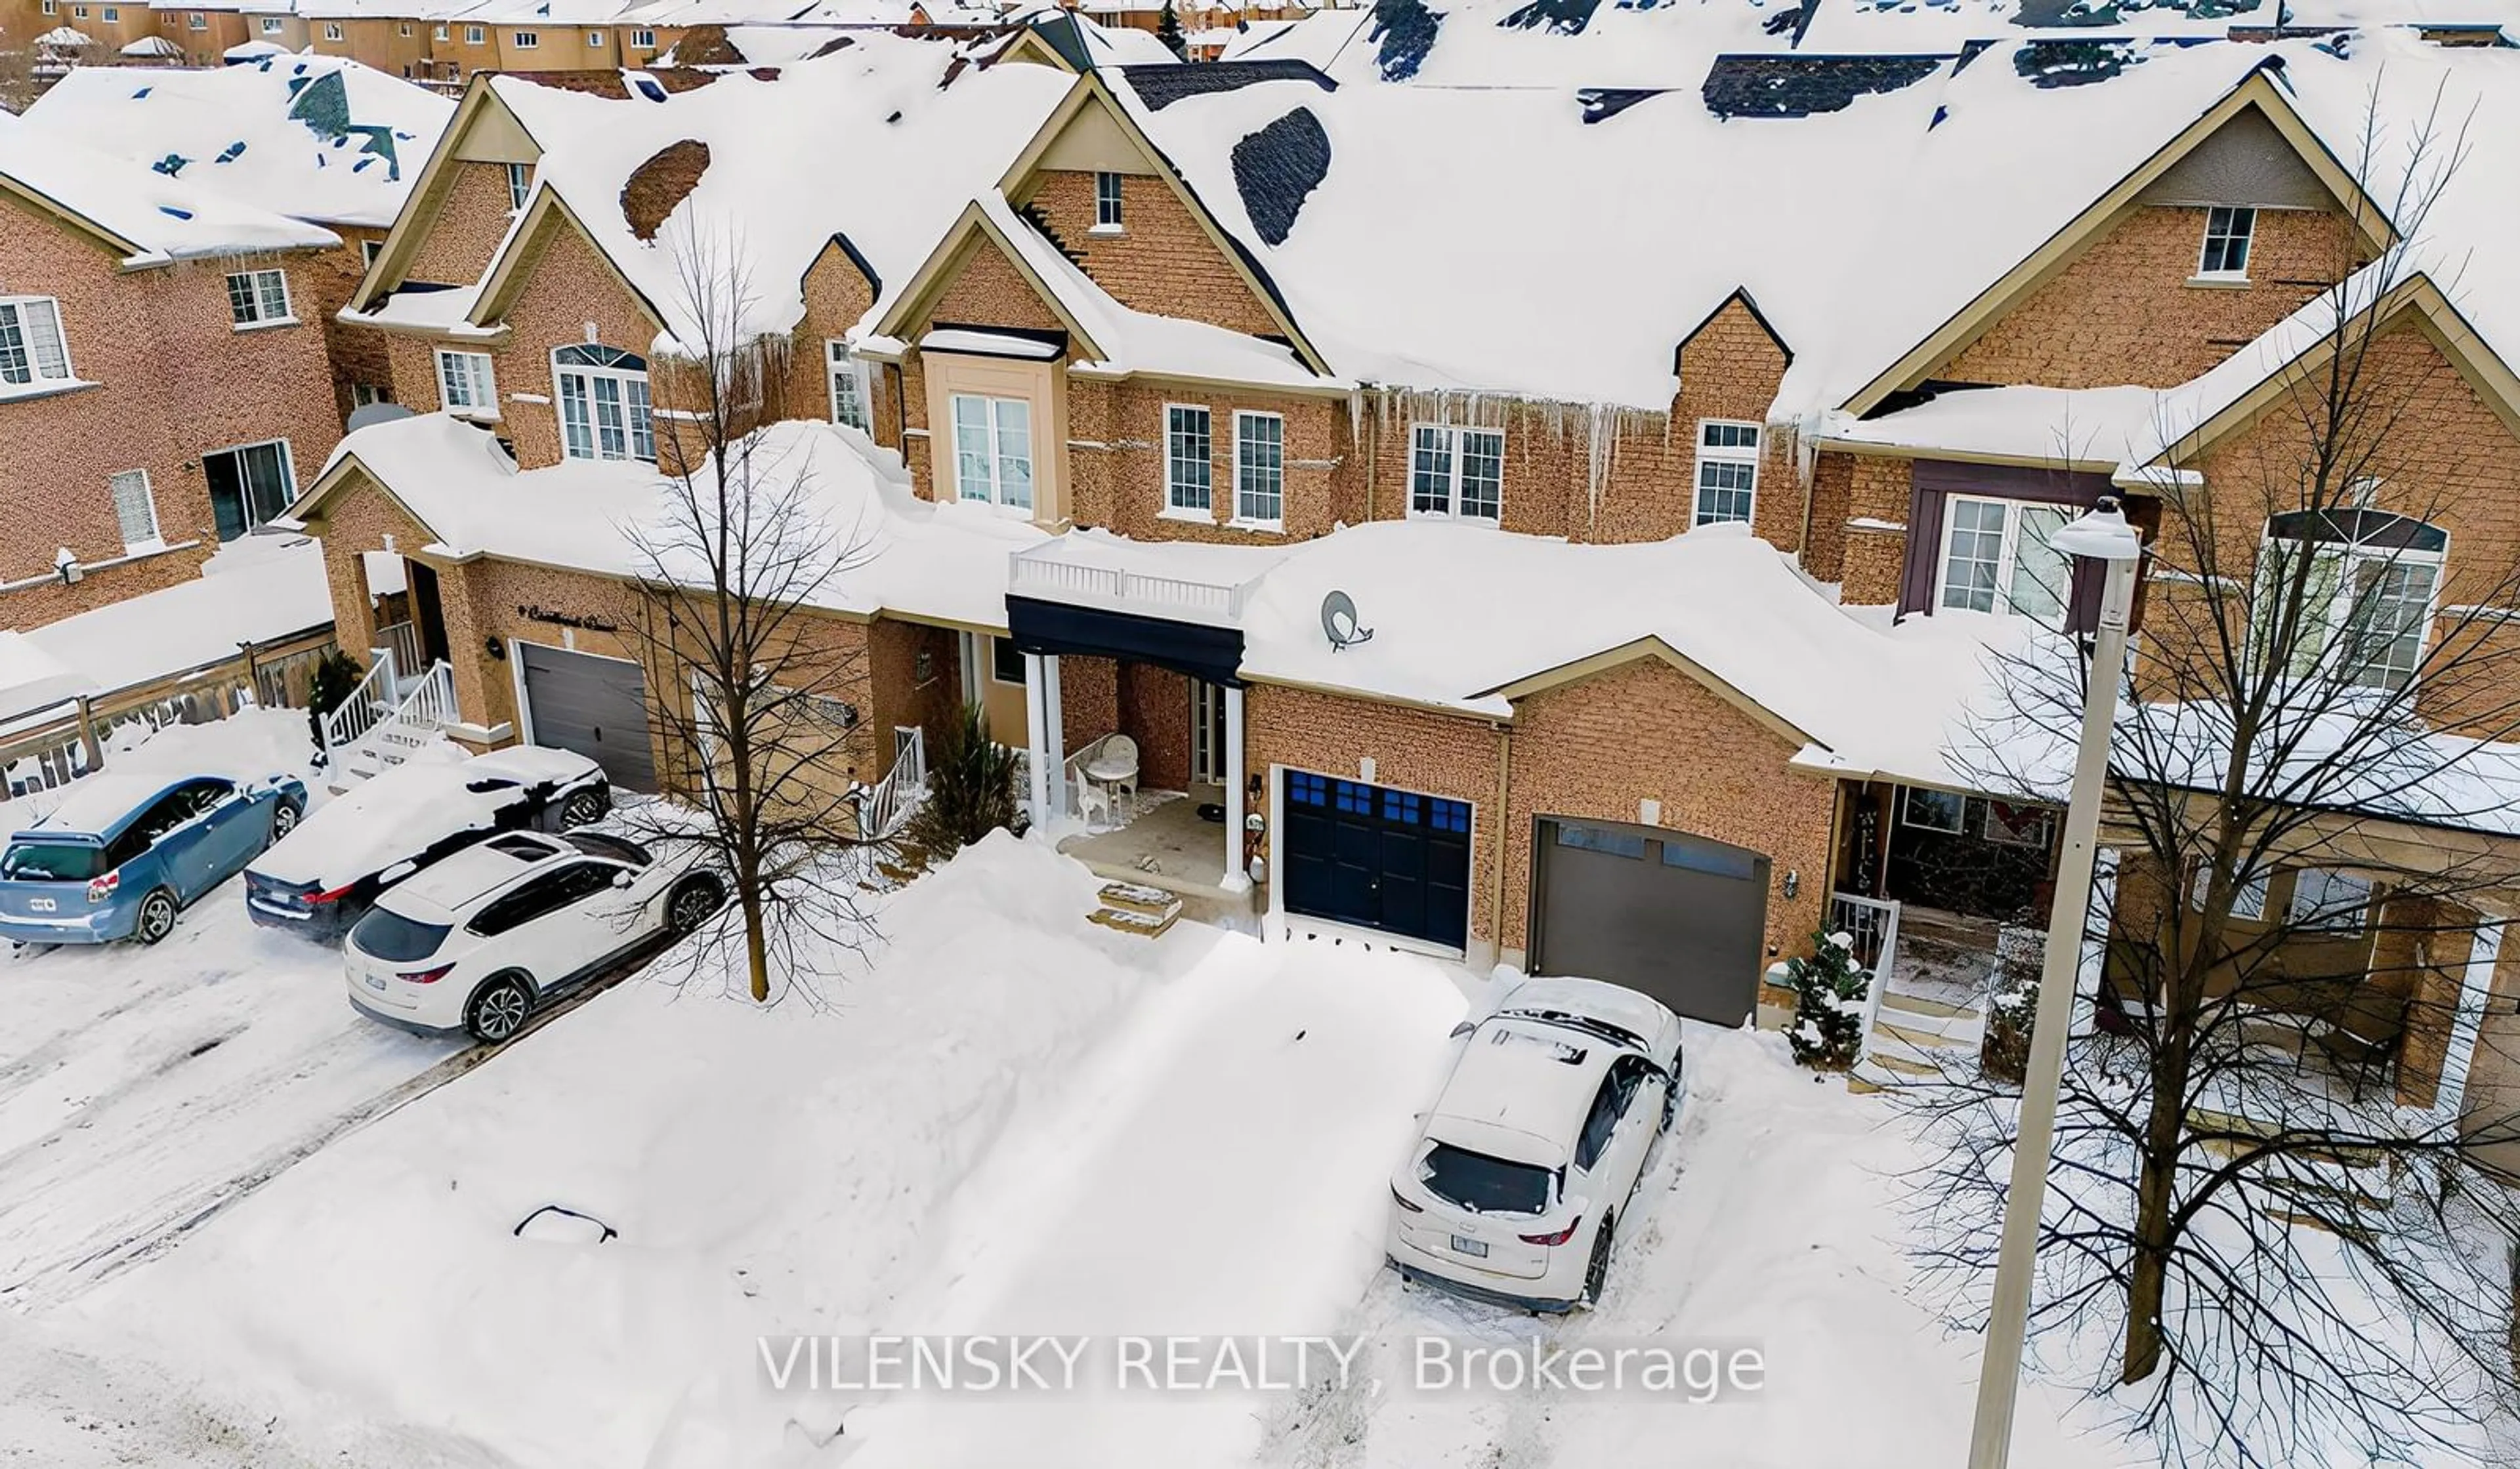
(427, 707)
(884, 807)
(350, 720)
(1873, 924)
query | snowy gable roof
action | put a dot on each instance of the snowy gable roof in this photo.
(905, 133)
(318, 138)
(158, 218)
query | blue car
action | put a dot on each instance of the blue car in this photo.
(127, 851)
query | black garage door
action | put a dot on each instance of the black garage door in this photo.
(1681, 917)
(1379, 857)
(594, 706)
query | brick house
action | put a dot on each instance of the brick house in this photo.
(1176, 332)
(334, 144)
(126, 464)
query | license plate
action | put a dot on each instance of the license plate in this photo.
(376, 981)
(1478, 1249)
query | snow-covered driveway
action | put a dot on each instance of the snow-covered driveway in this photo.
(141, 1087)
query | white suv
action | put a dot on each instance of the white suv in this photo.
(1512, 1194)
(478, 941)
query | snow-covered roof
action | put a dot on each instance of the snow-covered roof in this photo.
(908, 557)
(31, 679)
(317, 138)
(2097, 426)
(255, 590)
(147, 46)
(64, 36)
(162, 219)
(905, 131)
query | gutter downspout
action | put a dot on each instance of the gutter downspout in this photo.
(1496, 870)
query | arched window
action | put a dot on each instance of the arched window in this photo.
(2367, 579)
(603, 404)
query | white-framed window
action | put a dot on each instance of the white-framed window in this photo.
(471, 35)
(526, 40)
(197, 21)
(112, 13)
(2327, 900)
(2365, 596)
(33, 348)
(136, 508)
(1996, 558)
(2226, 256)
(1727, 470)
(643, 41)
(521, 186)
(851, 390)
(271, 25)
(437, 33)
(993, 450)
(364, 393)
(1458, 472)
(1190, 459)
(1933, 810)
(465, 383)
(1259, 467)
(51, 7)
(332, 32)
(1106, 200)
(78, 12)
(248, 485)
(594, 38)
(403, 29)
(603, 404)
(258, 299)
(2248, 899)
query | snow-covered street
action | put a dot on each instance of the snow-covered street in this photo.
(1003, 1121)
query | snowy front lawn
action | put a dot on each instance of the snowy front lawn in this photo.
(1011, 1120)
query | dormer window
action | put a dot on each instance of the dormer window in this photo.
(521, 185)
(2228, 231)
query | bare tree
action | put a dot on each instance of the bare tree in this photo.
(2261, 1196)
(753, 691)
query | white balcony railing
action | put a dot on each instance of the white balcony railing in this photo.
(1038, 572)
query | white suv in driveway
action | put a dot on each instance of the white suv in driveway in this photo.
(479, 940)
(1513, 1192)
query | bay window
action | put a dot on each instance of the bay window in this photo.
(1996, 558)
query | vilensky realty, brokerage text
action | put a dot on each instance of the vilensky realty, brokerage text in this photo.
(983, 1365)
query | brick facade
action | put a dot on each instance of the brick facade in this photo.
(1159, 260)
(2127, 310)
(173, 379)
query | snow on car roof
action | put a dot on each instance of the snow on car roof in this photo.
(531, 762)
(1520, 1080)
(100, 805)
(1632, 1010)
(443, 891)
(384, 820)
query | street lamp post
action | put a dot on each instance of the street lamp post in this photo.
(2101, 535)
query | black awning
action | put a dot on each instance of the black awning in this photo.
(1213, 653)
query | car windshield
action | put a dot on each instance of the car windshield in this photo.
(388, 935)
(1483, 1184)
(52, 862)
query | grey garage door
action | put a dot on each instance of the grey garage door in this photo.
(594, 706)
(1681, 917)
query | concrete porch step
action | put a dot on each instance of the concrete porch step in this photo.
(1138, 898)
(1131, 921)
(1932, 1033)
(1919, 1004)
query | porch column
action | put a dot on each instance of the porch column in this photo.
(2476, 991)
(1036, 749)
(1237, 880)
(1055, 733)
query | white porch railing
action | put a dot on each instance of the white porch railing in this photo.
(428, 706)
(353, 717)
(1873, 924)
(1037, 573)
(884, 807)
(404, 638)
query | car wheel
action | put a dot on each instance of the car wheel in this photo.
(156, 917)
(499, 1009)
(284, 819)
(693, 900)
(583, 809)
(1596, 1269)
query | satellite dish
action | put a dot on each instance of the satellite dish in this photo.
(375, 413)
(1338, 620)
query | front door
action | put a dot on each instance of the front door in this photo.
(428, 614)
(1206, 733)
(249, 486)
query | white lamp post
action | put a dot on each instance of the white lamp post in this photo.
(2101, 535)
